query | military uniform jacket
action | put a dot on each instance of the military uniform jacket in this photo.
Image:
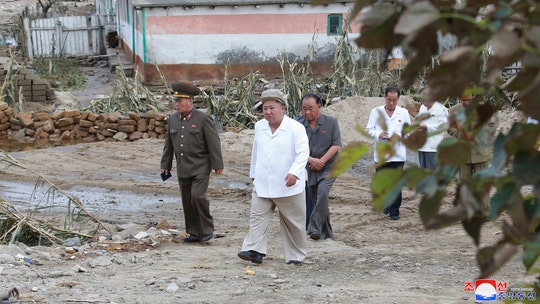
(476, 154)
(195, 144)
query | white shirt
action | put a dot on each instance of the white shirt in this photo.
(394, 125)
(437, 121)
(273, 156)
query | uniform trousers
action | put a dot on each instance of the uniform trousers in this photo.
(292, 221)
(468, 170)
(196, 206)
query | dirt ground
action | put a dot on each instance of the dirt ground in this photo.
(371, 260)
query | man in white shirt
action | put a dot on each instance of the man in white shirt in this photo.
(393, 118)
(278, 168)
(436, 122)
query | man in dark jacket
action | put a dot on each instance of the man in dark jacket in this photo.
(193, 140)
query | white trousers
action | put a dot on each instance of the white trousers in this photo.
(292, 221)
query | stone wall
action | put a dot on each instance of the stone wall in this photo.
(86, 125)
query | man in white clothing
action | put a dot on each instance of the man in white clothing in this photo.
(435, 123)
(393, 118)
(278, 168)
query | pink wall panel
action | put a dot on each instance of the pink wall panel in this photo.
(237, 24)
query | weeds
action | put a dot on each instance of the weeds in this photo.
(127, 95)
(25, 227)
(9, 92)
(62, 73)
(234, 108)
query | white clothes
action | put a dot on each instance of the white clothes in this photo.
(394, 125)
(531, 120)
(437, 121)
(273, 156)
(292, 224)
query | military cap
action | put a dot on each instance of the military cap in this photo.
(184, 90)
(274, 94)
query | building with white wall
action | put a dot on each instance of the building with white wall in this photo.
(194, 40)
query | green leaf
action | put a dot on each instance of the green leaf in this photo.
(385, 150)
(526, 167)
(458, 68)
(430, 205)
(385, 186)
(531, 253)
(378, 28)
(453, 152)
(415, 17)
(415, 139)
(499, 158)
(446, 218)
(492, 258)
(416, 178)
(501, 199)
(473, 227)
(347, 156)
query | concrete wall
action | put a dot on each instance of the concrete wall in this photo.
(206, 37)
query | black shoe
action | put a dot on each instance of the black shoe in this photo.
(252, 256)
(314, 235)
(385, 211)
(208, 237)
(191, 239)
(295, 262)
(394, 217)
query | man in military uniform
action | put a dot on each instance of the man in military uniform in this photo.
(193, 140)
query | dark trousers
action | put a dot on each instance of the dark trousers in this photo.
(393, 209)
(196, 206)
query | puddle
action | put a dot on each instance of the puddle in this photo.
(26, 196)
(13, 145)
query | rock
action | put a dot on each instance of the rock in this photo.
(172, 287)
(6, 258)
(70, 250)
(74, 241)
(65, 98)
(120, 136)
(100, 262)
(78, 268)
(141, 235)
(136, 136)
(25, 119)
(164, 224)
(114, 117)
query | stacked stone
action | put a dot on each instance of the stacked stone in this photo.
(29, 84)
(72, 124)
(6, 114)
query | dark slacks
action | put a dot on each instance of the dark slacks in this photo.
(319, 219)
(427, 159)
(196, 206)
(393, 209)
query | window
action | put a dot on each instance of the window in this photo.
(334, 25)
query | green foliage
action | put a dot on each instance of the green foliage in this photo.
(489, 36)
(127, 95)
(62, 73)
(234, 108)
(8, 91)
